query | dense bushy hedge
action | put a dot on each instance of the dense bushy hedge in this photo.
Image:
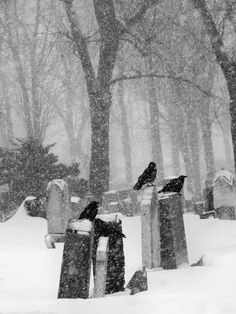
(29, 166)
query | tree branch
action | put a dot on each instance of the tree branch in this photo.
(213, 33)
(81, 44)
(143, 8)
(163, 76)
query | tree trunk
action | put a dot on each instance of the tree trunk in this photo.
(155, 126)
(125, 135)
(192, 133)
(99, 162)
(225, 61)
(207, 140)
(227, 139)
(175, 149)
(98, 86)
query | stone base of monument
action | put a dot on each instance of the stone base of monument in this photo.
(172, 231)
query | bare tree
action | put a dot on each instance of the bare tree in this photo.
(216, 28)
(29, 40)
(110, 30)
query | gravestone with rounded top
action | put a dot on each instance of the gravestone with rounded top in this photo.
(58, 211)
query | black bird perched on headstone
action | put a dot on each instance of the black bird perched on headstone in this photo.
(90, 211)
(175, 185)
(148, 176)
(105, 229)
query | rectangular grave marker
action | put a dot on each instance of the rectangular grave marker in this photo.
(172, 231)
(101, 268)
(150, 228)
(76, 261)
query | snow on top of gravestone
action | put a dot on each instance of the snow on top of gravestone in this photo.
(59, 182)
(110, 217)
(165, 195)
(225, 175)
(75, 199)
(83, 225)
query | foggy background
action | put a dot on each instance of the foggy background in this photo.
(170, 101)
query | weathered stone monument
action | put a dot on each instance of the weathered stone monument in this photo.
(138, 282)
(150, 228)
(172, 231)
(101, 268)
(224, 195)
(58, 212)
(115, 278)
(76, 261)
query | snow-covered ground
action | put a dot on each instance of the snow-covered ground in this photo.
(29, 273)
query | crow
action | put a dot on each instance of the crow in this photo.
(148, 176)
(175, 185)
(105, 229)
(90, 211)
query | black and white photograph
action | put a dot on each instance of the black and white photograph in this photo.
(117, 156)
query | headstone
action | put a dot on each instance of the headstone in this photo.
(224, 194)
(172, 231)
(111, 202)
(58, 211)
(199, 207)
(208, 196)
(101, 268)
(134, 204)
(76, 206)
(116, 259)
(150, 228)
(138, 282)
(76, 260)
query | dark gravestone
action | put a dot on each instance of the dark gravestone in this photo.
(138, 282)
(172, 232)
(115, 278)
(76, 261)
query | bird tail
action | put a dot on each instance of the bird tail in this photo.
(137, 186)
